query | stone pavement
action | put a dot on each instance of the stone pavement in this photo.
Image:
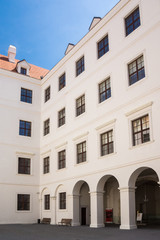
(51, 232)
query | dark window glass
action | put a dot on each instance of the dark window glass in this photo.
(136, 70)
(23, 71)
(46, 127)
(46, 165)
(47, 202)
(103, 46)
(47, 94)
(25, 128)
(62, 159)
(80, 105)
(62, 200)
(140, 129)
(81, 152)
(26, 95)
(104, 90)
(24, 165)
(107, 143)
(61, 117)
(132, 21)
(23, 202)
(62, 81)
(80, 66)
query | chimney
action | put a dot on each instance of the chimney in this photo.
(11, 53)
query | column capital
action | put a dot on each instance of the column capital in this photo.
(96, 193)
(127, 189)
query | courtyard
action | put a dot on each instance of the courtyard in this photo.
(53, 232)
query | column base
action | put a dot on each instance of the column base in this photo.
(97, 225)
(128, 227)
(75, 224)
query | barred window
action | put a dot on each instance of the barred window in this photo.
(81, 152)
(62, 200)
(107, 143)
(80, 66)
(47, 201)
(24, 165)
(103, 46)
(62, 159)
(23, 202)
(47, 94)
(140, 130)
(136, 70)
(132, 21)
(46, 129)
(46, 165)
(104, 90)
(61, 117)
(80, 105)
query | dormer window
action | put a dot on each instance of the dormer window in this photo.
(23, 71)
(23, 67)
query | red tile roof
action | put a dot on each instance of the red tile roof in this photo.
(34, 72)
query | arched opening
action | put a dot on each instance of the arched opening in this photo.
(147, 196)
(110, 203)
(81, 204)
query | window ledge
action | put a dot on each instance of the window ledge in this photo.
(77, 164)
(141, 145)
(108, 155)
(27, 175)
(62, 169)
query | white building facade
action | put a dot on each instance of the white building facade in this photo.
(83, 142)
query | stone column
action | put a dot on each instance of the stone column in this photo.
(128, 211)
(53, 210)
(97, 209)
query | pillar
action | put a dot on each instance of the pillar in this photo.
(128, 211)
(74, 210)
(97, 209)
(53, 210)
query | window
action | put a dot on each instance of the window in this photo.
(61, 117)
(23, 202)
(26, 95)
(107, 143)
(103, 46)
(104, 90)
(140, 130)
(23, 71)
(136, 70)
(81, 152)
(62, 200)
(47, 94)
(62, 81)
(132, 21)
(25, 128)
(80, 105)
(46, 127)
(80, 66)
(47, 202)
(62, 159)
(24, 165)
(46, 165)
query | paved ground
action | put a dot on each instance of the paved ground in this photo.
(50, 232)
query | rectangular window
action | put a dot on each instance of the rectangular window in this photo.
(132, 21)
(107, 143)
(47, 94)
(23, 71)
(80, 66)
(103, 46)
(46, 165)
(46, 127)
(24, 165)
(80, 105)
(81, 152)
(62, 200)
(62, 159)
(140, 130)
(62, 81)
(61, 117)
(47, 202)
(104, 90)
(25, 128)
(136, 70)
(23, 202)
(26, 95)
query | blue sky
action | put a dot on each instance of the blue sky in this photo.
(42, 29)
